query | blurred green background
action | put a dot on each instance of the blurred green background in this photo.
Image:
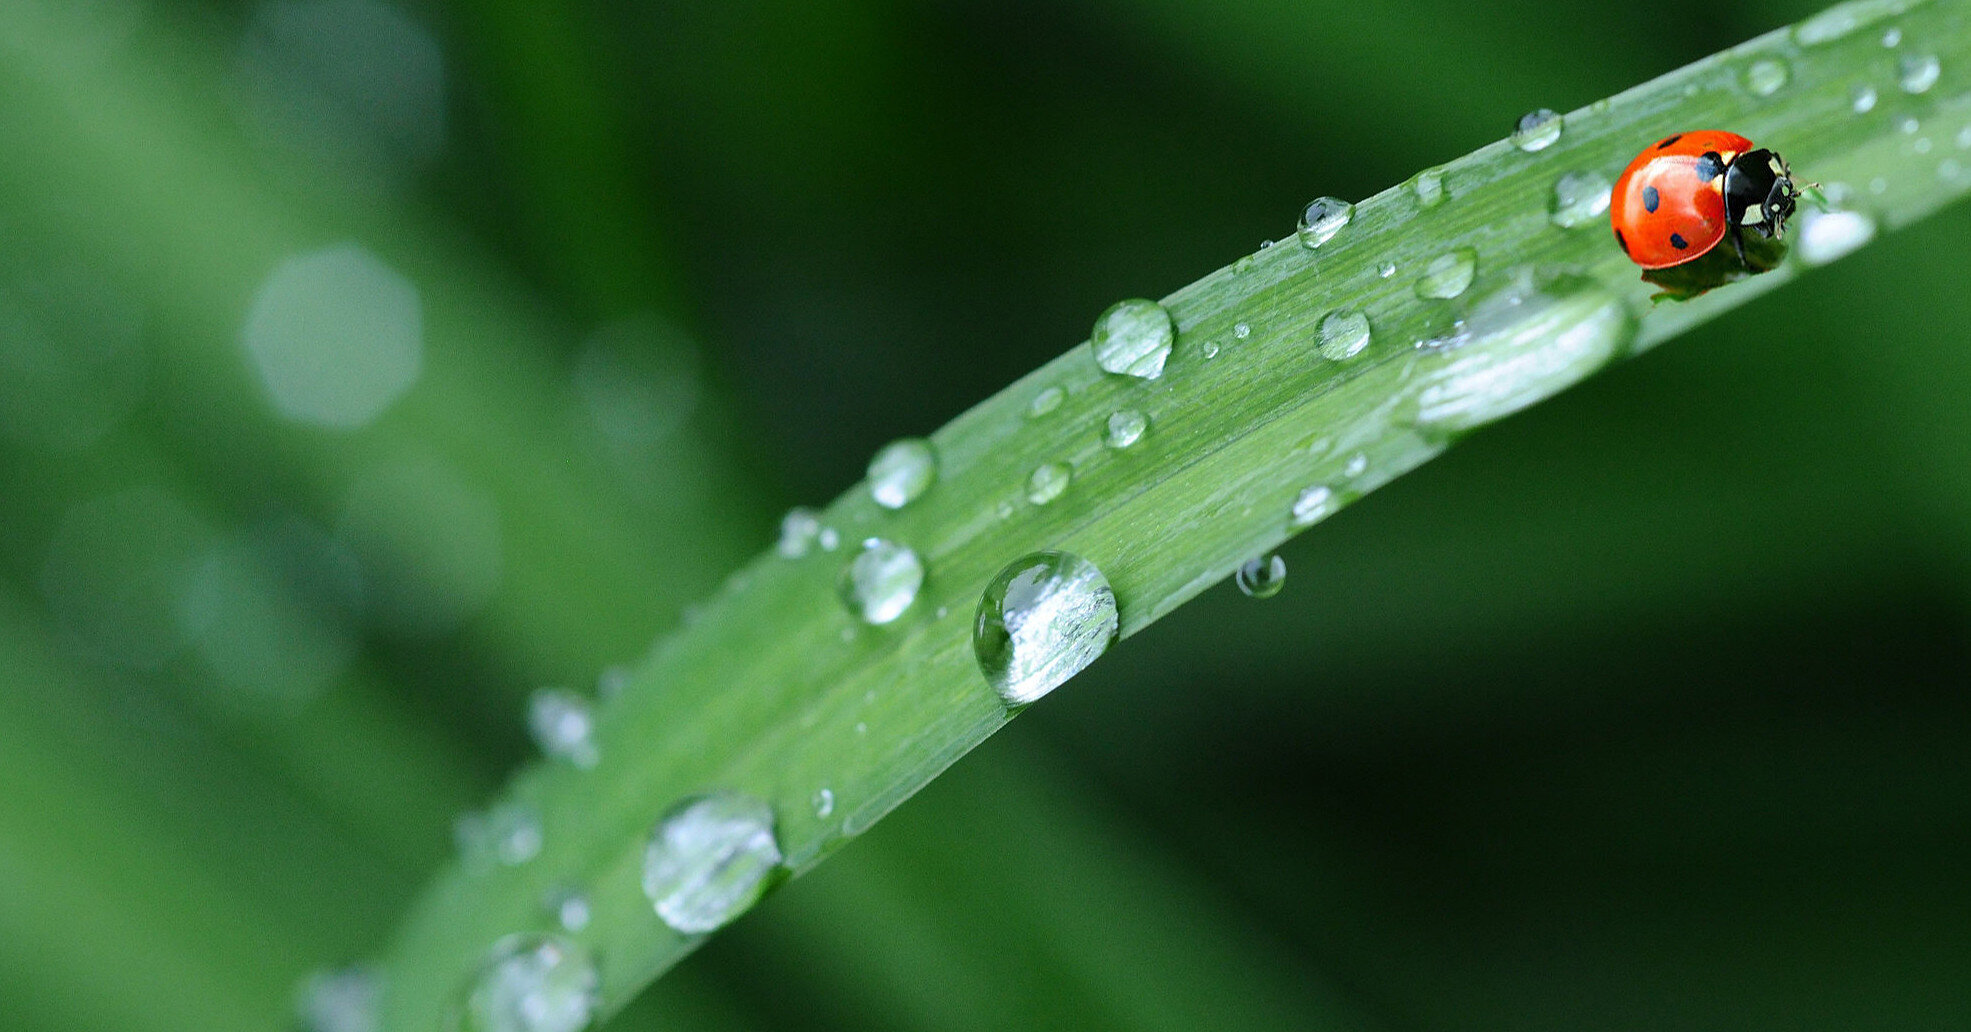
(364, 366)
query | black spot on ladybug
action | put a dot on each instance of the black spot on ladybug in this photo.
(1650, 198)
(1622, 241)
(1677, 241)
(1669, 140)
(1710, 166)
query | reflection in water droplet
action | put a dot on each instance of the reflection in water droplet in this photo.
(799, 531)
(1210, 349)
(1579, 198)
(1262, 577)
(343, 1000)
(1322, 219)
(1241, 331)
(1042, 620)
(1863, 99)
(1537, 130)
(1046, 401)
(1892, 37)
(1827, 235)
(1343, 334)
(1916, 73)
(533, 983)
(1047, 482)
(1357, 465)
(824, 802)
(902, 472)
(1125, 428)
(563, 726)
(1386, 270)
(1133, 338)
(336, 336)
(1448, 274)
(1518, 347)
(709, 860)
(1766, 76)
(1429, 187)
(882, 581)
(1312, 505)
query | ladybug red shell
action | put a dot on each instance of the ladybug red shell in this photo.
(1685, 193)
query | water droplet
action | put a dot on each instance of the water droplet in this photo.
(1448, 274)
(881, 581)
(1125, 428)
(1518, 347)
(563, 726)
(1827, 235)
(824, 802)
(1047, 482)
(1579, 198)
(1864, 99)
(1429, 187)
(1046, 401)
(1241, 331)
(1210, 349)
(799, 530)
(1312, 505)
(1949, 170)
(1537, 130)
(1041, 621)
(1921, 146)
(509, 833)
(1322, 219)
(1892, 37)
(1765, 76)
(1343, 333)
(1244, 265)
(1908, 125)
(1357, 465)
(709, 860)
(1916, 73)
(1262, 577)
(1133, 338)
(829, 539)
(902, 472)
(1964, 138)
(1878, 185)
(533, 983)
(343, 1000)
(1386, 270)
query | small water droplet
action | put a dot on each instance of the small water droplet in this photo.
(1448, 274)
(1241, 331)
(709, 860)
(509, 833)
(570, 909)
(829, 539)
(1133, 338)
(1949, 170)
(798, 531)
(1312, 505)
(1579, 198)
(1125, 428)
(343, 1000)
(1244, 265)
(1386, 270)
(1921, 146)
(902, 472)
(563, 726)
(1046, 401)
(882, 581)
(1042, 620)
(1357, 465)
(1343, 334)
(1322, 219)
(1908, 125)
(1892, 37)
(1827, 235)
(1210, 349)
(1537, 130)
(1262, 577)
(1047, 482)
(533, 983)
(1878, 185)
(1864, 99)
(1429, 187)
(1518, 347)
(1964, 138)
(611, 682)
(1766, 76)
(824, 802)
(1916, 73)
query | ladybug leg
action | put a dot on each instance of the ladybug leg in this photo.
(1738, 244)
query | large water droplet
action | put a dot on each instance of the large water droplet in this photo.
(1047, 482)
(1766, 76)
(1827, 235)
(1042, 620)
(1518, 347)
(1125, 428)
(1133, 338)
(1863, 99)
(1429, 187)
(1322, 219)
(1579, 198)
(1448, 274)
(1046, 401)
(1916, 73)
(563, 726)
(881, 581)
(1537, 130)
(710, 860)
(1262, 577)
(344, 1000)
(1312, 505)
(1343, 334)
(799, 530)
(901, 472)
(533, 983)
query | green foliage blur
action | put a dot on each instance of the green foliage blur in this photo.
(366, 365)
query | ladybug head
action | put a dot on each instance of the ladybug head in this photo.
(1759, 191)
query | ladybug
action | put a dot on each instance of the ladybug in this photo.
(1685, 193)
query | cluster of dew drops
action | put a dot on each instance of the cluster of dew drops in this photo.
(1045, 617)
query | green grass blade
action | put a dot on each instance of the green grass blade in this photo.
(774, 690)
